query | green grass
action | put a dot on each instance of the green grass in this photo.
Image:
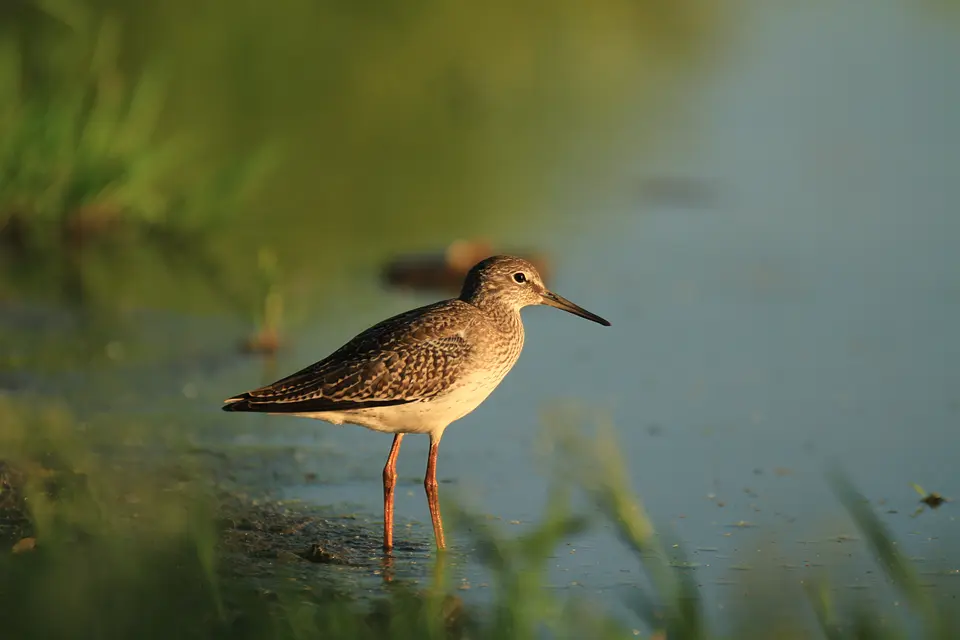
(80, 152)
(132, 547)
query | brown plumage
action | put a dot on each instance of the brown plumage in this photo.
(410, 357)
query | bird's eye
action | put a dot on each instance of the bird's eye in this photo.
(520, 277)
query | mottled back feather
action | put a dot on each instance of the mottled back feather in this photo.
(411, 357)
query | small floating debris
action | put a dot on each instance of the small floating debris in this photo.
(933, 500)
(844, 537)
(445, 272)
(741, 524)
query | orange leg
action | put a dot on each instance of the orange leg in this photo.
(389, 482)
(433, 499)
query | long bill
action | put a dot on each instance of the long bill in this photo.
(553, 300)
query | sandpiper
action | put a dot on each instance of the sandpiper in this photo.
(419, 371)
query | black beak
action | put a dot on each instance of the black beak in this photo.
(553, 300)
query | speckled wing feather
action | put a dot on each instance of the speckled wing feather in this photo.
(408, 358)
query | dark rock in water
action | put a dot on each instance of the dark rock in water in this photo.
(445, 272)
(316, 553)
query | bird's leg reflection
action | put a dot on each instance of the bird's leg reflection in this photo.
(387, 568)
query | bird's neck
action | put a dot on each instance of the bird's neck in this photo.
(506, 318)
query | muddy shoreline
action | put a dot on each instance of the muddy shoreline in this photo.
(260, 539)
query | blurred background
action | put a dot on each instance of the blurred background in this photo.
(199, 197)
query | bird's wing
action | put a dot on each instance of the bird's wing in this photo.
(407, 358)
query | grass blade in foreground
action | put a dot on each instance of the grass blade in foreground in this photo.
(597, 466)
(894, 563)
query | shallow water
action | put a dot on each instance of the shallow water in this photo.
(807, 315)
(810, 316)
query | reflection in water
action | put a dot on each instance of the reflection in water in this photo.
(387, 567)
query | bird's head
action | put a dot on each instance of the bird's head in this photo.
(515, 283)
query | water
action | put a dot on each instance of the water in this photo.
(809, 315)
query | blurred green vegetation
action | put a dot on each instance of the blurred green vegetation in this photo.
(371, 128)
(79, 158)
(132, 546)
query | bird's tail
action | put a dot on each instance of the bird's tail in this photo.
(239, 403)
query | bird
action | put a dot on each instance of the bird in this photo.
(419, 371)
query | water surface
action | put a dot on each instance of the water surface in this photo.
(806, 314)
